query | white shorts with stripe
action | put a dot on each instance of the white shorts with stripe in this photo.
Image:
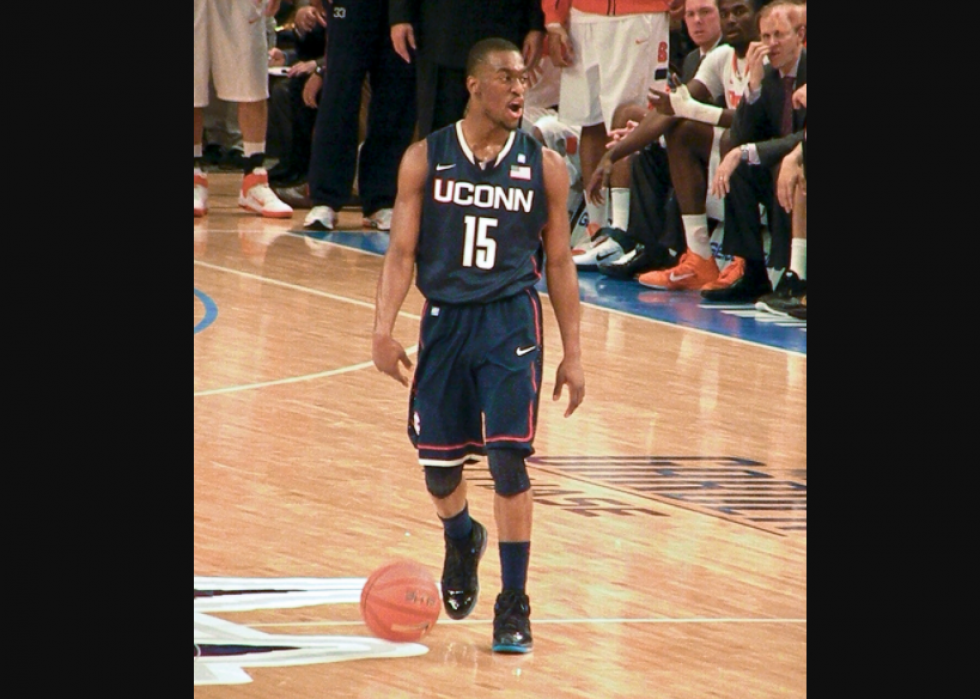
(616, 60)
(232, 48)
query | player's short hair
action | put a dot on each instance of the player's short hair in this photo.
(483, 48)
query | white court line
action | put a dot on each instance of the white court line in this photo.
(612, 620)
(306, 377)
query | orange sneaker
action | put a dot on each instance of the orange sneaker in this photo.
(733, 271)
(691, 272)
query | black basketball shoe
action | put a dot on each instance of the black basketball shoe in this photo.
(785, 297)
(460, 584)
(512, 623)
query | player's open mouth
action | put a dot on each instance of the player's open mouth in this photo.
(516, 109)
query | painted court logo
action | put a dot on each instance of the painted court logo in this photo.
(222, 649)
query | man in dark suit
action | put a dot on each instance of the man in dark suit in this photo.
(766, 127)
(438, 34)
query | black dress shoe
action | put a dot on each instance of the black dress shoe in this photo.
(748, 288)
(285, 176)
(640, 259)
(296, 196)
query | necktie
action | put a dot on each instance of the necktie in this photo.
(787, 124)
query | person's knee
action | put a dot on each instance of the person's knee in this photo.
(442, 481)
(509, 471)
(625, 113)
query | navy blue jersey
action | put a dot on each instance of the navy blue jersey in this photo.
(480, 234)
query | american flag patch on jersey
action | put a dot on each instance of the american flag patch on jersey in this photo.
(520, 172)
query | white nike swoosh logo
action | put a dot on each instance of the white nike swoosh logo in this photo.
(677, 278)
(445, 167)
(521, 351)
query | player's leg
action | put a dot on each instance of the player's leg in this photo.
(241, 60)
(510, 384)
(689, 145)
(446, 428)
(202, 75)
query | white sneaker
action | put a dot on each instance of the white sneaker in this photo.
(607, 251)
(380, 219)
(200, 193)
(256, 196)
(321, 218)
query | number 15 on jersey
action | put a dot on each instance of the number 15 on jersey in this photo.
(478, 247)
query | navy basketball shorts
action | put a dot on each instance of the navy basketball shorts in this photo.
(478, 379)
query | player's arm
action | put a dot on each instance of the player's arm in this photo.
(692, 101)
(399, 262)
(562, 279)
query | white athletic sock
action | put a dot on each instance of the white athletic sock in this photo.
(597, 214)
(253, 148)
(797, 257)
(620, 207)
(696, 234)
(198, 150)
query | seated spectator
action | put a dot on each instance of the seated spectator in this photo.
(291, 121)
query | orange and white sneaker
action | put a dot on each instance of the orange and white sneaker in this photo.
(200, 193)
(733, 271)
(258, 197)
(692, 272)
(595, 239)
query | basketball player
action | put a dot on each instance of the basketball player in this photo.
(231, 48)
(480, 207)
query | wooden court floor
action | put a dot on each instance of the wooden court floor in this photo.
(669, 550)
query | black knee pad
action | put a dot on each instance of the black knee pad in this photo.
(441, 481)
(508, 471)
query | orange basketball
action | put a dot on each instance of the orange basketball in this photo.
(400, 601)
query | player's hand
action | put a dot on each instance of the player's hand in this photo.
(403, 37)
(532, 49)
(560, 47)
(661, 100)
(720, 184)
(311, 90)
(570, 373)
(799, 98)
(599, 182)
(616, 135)
(387, 354)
